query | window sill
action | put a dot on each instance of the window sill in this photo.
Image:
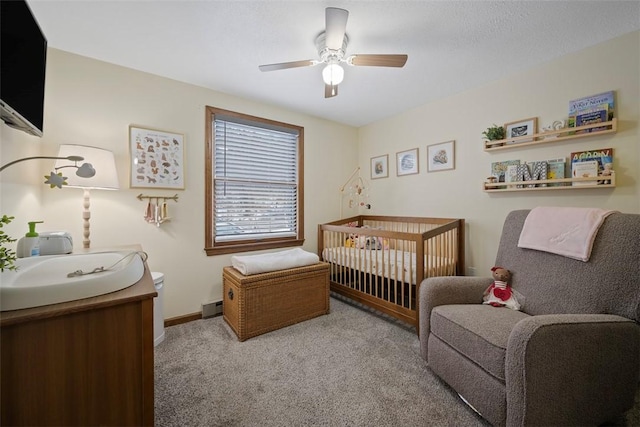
(232, 248)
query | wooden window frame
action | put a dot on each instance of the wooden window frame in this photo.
(218, 248)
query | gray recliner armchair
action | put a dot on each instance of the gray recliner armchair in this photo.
(571, 356)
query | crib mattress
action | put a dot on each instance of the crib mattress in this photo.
(388, 263)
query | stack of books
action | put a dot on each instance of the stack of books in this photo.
(591, 109)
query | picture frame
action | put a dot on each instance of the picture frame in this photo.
(521, 128)
(380, 167)
(407, 162)
(156, 158)
(441, 156)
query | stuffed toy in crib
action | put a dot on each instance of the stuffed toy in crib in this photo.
(499, 293)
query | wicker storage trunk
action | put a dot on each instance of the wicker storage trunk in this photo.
(261, 303)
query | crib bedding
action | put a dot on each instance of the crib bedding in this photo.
(391, 264)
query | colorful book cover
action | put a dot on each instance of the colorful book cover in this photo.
(590, 104)
(591, 117)
(499, 169)
(602, 155)
(588, 168)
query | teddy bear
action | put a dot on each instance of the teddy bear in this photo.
(499, 293)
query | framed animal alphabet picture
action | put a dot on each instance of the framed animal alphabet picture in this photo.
(156, 159)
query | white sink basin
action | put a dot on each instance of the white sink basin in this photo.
(45, 280)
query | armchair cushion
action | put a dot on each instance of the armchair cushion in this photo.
(479, 332)
(436, 291)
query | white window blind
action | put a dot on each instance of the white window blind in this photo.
(255, 181)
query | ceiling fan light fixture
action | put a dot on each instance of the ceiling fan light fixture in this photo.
(333, 74)
(332, 50)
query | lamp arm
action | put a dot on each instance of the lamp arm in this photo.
(72, 158)
(67, 166)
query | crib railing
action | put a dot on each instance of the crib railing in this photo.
(391, 257)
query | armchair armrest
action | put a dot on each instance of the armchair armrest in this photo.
(571, 369)
(435, 291)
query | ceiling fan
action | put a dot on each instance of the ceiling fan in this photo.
(332, 46)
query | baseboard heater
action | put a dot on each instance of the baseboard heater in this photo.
(211, 309)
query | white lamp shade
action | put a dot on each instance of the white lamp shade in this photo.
(333, 74)
(106, 174)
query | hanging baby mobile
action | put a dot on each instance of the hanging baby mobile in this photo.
(357, 190)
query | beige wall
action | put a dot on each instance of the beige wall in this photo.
(542, 92)
(93, 103)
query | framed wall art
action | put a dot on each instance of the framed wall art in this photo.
(407, 162)
(156, 159)
(380, 167)
(521, 128)
(441, 157)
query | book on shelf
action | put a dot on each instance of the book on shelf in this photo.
(499, 169)
(591, 117)
(515, 174)
(592, 109)
(603, 156)
(586, 169)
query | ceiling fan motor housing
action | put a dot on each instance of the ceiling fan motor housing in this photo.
(331, 56)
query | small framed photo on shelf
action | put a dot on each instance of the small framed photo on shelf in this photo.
(156, 159)
(521, 128)
(441, 157)
(407, 162)
(380, 167)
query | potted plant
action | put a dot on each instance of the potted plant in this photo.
(494, 133)
(7, 256)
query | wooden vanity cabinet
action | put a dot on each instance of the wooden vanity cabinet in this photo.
(86, 362)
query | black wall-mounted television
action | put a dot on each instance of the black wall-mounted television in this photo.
(23, 62)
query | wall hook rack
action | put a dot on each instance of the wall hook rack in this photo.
(157, 211)
(144, 196)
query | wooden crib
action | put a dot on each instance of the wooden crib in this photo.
(380, 261)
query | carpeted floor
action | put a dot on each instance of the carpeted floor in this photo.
(349, 368)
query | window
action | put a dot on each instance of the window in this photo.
(254, 183)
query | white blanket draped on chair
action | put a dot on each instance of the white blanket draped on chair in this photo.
(565, 231)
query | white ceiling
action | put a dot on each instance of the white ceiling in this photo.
(452, 45)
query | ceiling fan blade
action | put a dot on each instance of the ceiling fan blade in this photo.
(335, 27)
(285, 65)
(378, 60)
(330, 91)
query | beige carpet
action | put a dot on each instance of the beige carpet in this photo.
(349, 368)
